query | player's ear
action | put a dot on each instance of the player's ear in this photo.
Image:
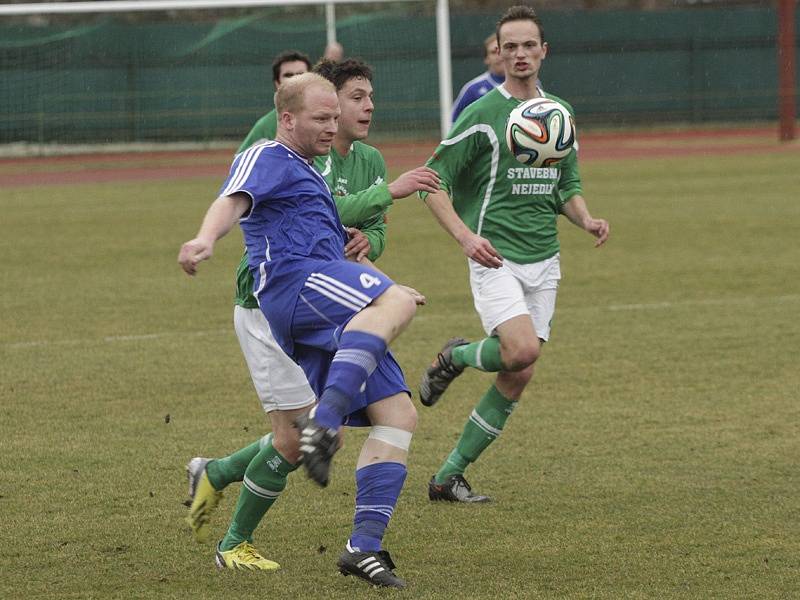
(287, 120)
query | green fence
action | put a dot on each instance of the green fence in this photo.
(119, 79)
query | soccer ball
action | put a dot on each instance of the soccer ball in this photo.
(540, 132)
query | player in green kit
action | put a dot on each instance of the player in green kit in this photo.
(285, 66)
(503, 215)
(356, 174)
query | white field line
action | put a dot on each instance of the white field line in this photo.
(708, 302)
(113, 339)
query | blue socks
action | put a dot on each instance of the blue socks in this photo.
(357, 357)
(377, 488)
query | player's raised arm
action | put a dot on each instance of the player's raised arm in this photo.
(421, 179)
(223, 214)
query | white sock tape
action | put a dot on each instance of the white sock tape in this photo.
(399, 438)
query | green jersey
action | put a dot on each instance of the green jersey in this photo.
(358, 185)
(514, 206)
(264, 129)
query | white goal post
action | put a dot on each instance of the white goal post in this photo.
(109, 6)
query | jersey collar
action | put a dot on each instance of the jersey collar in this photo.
(303, 159)
(507, 95)
(295, 154)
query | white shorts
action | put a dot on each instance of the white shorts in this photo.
(513, 290)
(279, 381)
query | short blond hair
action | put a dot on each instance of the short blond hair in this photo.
(291, 95)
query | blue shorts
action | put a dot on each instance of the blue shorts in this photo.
(330, 294)
(386, 380)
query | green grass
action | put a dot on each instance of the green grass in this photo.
(654, 456)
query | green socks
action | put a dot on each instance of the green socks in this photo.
(483, 355)
(484, 425)
(263, 480)
(224, 471)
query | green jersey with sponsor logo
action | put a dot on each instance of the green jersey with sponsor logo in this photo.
(514, 206)
(358, 184)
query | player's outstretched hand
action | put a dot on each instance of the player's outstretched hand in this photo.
(421, 179)
(418, 298)
(193, 252)
(481, 251)
(358, 247)
(600, 229)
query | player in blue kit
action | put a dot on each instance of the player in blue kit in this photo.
(485, 82)
(334, 317)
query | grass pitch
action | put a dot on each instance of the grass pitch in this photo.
(654, 456)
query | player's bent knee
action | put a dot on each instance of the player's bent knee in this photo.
(520, 357)
(394, 436)
(395, 411)
(400, 302)
(287, 442)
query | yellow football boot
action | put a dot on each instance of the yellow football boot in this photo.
(244, 557)
(204, 498)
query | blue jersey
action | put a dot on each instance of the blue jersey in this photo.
(474, 89)
(292, 218)
(293, 213)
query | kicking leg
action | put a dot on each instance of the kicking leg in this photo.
(362, 346)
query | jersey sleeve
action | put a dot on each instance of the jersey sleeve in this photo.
(457, 151)
(376, 234)
(364, 205)
(255, 172)
(374, 200)
(569, 182)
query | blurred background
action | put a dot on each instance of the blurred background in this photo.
(204, 75)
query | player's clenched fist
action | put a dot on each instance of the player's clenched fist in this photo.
(193, 252)
(421, 179)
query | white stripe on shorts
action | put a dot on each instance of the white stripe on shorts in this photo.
(343, 286)
(344, 292)
(334, 297)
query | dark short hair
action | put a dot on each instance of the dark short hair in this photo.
(287, 56)
(519, 13)
(348, 69)
(325, 67)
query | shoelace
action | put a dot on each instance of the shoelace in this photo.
(461, 482)
(386, 560)
(250, 553)
(447, 365)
